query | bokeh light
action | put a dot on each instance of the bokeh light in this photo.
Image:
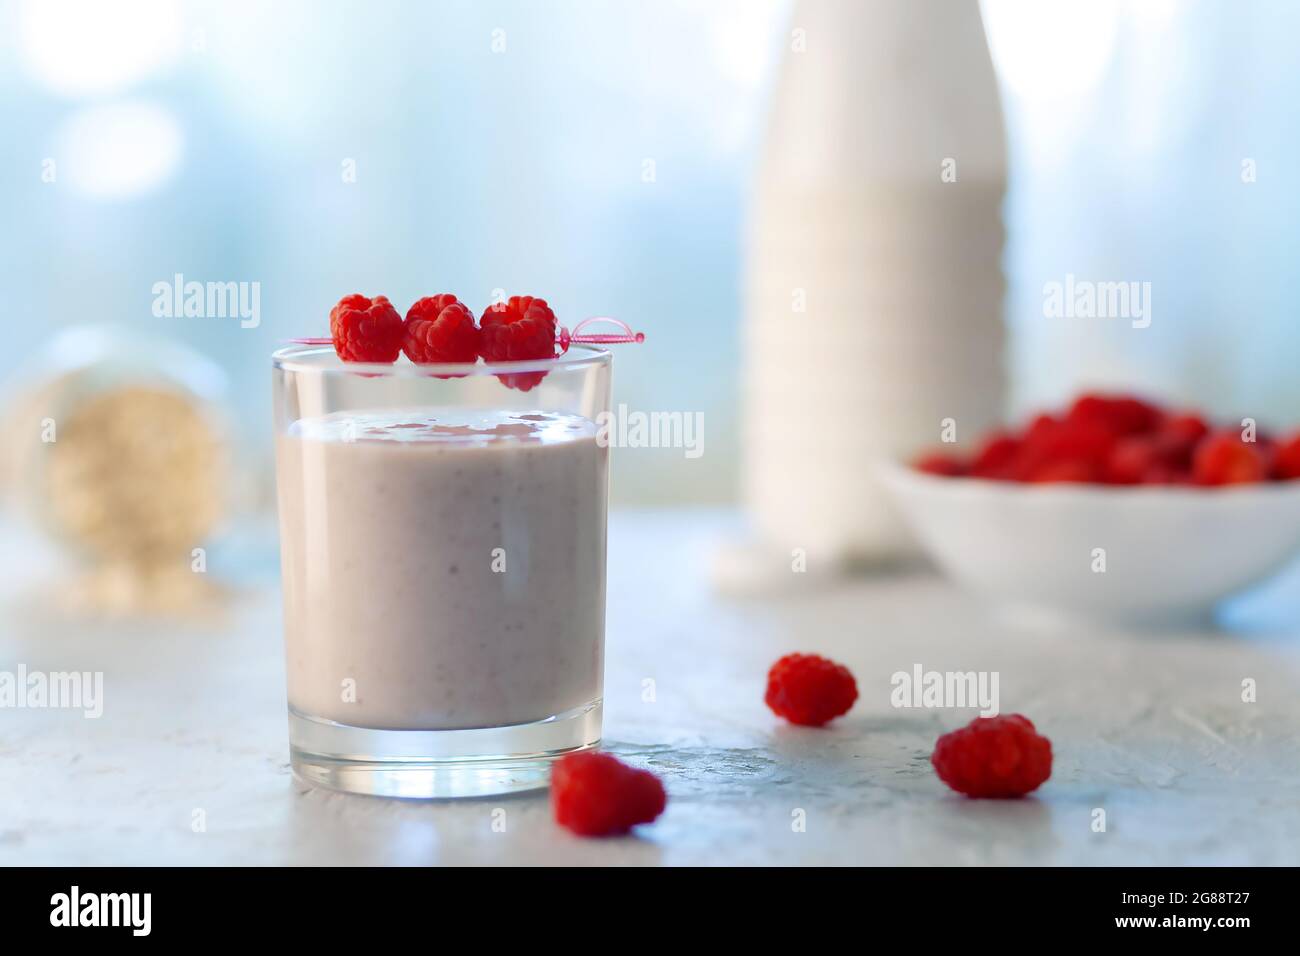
(119, 151)
(76, 48)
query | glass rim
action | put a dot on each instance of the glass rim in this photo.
(295, 358)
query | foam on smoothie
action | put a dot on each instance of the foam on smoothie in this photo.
(477, 426)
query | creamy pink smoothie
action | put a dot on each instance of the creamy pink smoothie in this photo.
(442, 569)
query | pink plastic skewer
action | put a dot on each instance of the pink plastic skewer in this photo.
(598, 338)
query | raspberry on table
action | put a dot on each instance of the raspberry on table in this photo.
(1224, 459)
(440, 328)
(1001, 756)
(366, 329)
(809, 690)
(596, 794)
(519, 329)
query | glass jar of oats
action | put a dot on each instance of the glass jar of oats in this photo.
(119, 449)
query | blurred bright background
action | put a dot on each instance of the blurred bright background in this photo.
(601, 154)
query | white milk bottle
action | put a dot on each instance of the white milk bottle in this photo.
(874, 293)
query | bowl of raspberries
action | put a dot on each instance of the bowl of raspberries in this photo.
(1113, 508)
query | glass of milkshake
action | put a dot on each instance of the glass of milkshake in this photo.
(442, 540)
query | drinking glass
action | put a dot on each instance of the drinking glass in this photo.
(442, 540)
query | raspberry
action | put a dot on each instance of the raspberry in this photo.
(1120, 414)
(366, 330)
(520, 329)
(1177, 438)
(1224, 459)
(356, 302)
(1067, 469)
(1286, 461)
(1149, 459)
(809, 690)
(1063, 450)
(596, 794)
(1162, 457)
(1132, 459)
(995, 457)
(440, 328)
(993, 757)
(1184, 430)
(937, 463)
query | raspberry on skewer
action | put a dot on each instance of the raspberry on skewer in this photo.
(366, 330)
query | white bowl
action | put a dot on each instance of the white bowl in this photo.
(1170, 553)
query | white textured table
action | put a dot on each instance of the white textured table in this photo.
(1153, 730)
